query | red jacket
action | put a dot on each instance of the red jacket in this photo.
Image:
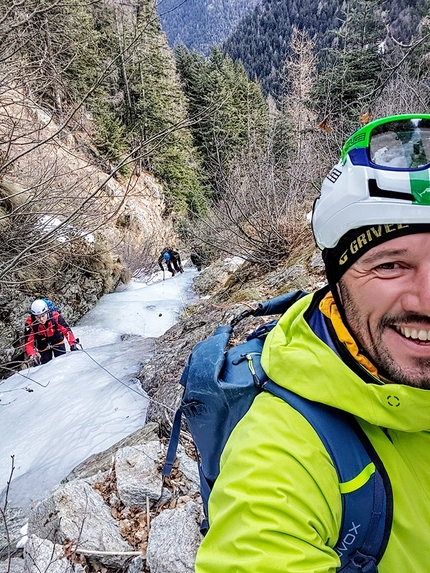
(40, 336)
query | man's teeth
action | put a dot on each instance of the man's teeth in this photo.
(414, 334)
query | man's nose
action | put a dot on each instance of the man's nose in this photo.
(417, 297)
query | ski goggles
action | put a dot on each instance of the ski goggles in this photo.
(400, 142)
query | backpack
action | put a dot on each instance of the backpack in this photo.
(51, 306)
(219, 388)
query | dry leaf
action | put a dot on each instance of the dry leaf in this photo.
(324, 125)
(365, 118)
(114, 512)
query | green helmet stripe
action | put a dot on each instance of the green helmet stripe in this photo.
(420, 186)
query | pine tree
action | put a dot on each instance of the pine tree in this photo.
(58, 49)
(229, 108)
(353, 72)
(153, 110)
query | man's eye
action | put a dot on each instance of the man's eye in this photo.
(387, 266)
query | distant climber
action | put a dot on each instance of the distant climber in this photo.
(44, 334)
(198, 257)
(172, 259)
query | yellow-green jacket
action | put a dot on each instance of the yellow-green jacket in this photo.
(276, 505)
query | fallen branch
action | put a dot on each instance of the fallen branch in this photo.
(95, 552)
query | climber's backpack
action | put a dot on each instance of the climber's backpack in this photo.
(219, 389)
(51, 306)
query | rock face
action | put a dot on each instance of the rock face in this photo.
(114, 231)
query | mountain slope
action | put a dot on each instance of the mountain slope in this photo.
(200, 24)
(261, 39)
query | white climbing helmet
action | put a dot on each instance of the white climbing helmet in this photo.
(382, 178)
(39, 306)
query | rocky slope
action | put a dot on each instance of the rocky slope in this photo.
(73, 226)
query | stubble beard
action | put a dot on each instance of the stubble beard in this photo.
(418, 376)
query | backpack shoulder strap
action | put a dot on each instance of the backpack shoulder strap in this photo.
(367, 507)
(53, 315)
(205, 364)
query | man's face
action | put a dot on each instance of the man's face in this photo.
(386, 297)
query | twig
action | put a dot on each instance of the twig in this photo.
(148, 518)
(96, 552)
(3, 511)
(8, 483)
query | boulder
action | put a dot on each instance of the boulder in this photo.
(189, 470)
(10, 532)
(174, 538)
(75, 512)
(137, 474)
(102, 461)
(16, 565)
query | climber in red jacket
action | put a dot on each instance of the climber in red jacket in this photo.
(44, 334)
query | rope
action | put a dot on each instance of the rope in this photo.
(24, 376)
(141, 394)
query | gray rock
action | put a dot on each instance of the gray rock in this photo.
(136, 565)
(215, 276)
(42, 555)
(189, 470)
(16, 566)
(166, 497)
(137, 473)
(74, 511)
(316, 263)
(173, 541)
(286, 276)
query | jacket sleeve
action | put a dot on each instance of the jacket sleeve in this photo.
(65, 328)
(160, 262)
(276, 505)
(29, 338)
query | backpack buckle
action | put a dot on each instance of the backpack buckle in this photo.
(192, 409)
(364, 563)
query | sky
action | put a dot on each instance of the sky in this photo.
(53, 416)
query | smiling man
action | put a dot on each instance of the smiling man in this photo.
(360, 345)
(386, 298)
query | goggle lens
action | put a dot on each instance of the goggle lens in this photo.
(401, 144)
